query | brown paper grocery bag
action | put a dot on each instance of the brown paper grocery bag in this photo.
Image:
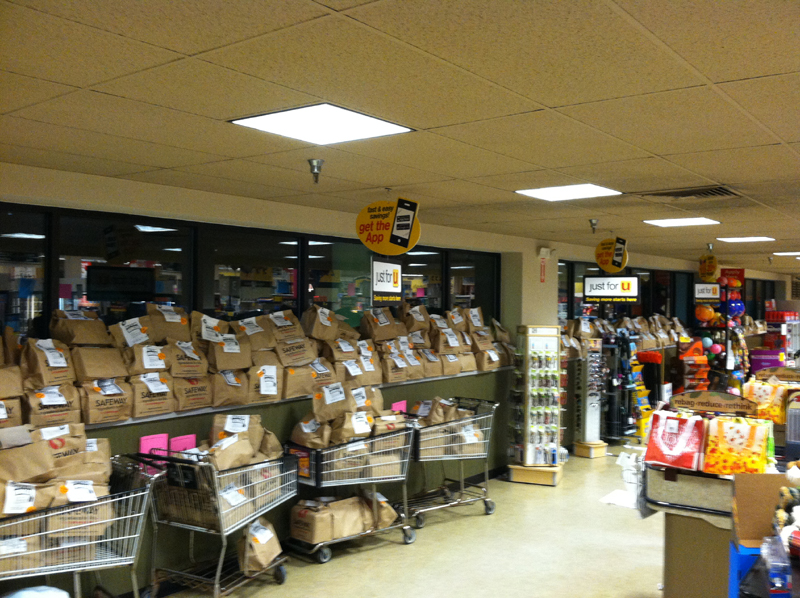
(232, 451)
(104, 401)
(186, 359)
(265, 382)
(230, 387)
(487, 361)
(296, 352)
(79, 328)
(451, 365)
(446, 341)
(394, 368)
(224, 426)
(257, 547)
(468, 363)
(12, 348)
(415, 318)
(310, 433)
(473, 317)
(481, 341)
(305, 380)
(10, 381)
(193, 393)
(285, 326)
(364, 371)
(420, 339)
(168, 322)
(431, 363)
(13, 412)
(320, 323)
(270, 447)
(131, 332)
(52, 406)
(416, 370)
(29, 463)
(230, 354)
(257, 331)
(351, 425)
(92, 363)
(456, 319)
(141, 359)
(66, 442)
(386, 514)
(147, 402)
(206, 329)
(331, 401)
(37, 357)
(378, 324)
(346, 331)
(339, 350)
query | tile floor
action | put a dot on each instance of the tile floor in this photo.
(541, 543)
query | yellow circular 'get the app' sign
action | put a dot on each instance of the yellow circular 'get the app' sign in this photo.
(604, 256)
(389, 227)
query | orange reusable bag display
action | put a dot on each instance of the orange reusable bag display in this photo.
(735, 447)
(675, 441)
(771, 399)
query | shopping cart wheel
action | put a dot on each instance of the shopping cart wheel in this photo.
(324, 554)
(409, 535)
(489, 506)
(280, 575)
(419, 520)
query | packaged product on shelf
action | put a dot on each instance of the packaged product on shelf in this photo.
(229, 354)
(10, 413)
(339, 350)
(152, 394)
(225, 426)
(193, 393)
(168, 322)
(296, 352)
(206, 330)
(331, 401)
(420, 339)
(388, 346)
(230, 387)
(735, 445)
(431, 363)
(106, 400)
(12, 346)
(394, 368)
(415, 318)
(304, 380)
(270, 447)
(310, 433)
(266, 382)
(487, 360)
(46, 362)
(378, 324)
(79, 328)
(101, 362)
(367, 398)
(52, 406)
(232, 451)
(257, 331)
(446, 341)
(500, 333)
(10, 382)
(320, 323)
(468, 363)
(66, 442)
(348, 460)
(676, 441)
(346, 331)
(186, 359)
(83, 523)
(451, 364)
(285, 326)
(131, 332)
(22, 460)
(416, 371)
(351, 425)
(141, 359)
(257, 547)
(456, 319)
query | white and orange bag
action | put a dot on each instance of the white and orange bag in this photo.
(676, 441)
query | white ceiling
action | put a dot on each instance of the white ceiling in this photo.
(636, 95)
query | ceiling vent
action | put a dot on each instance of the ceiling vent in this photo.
(687, 195)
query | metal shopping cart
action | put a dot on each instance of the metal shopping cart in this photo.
(86, 536)
(372, 461)
(193, 495)
(468, 438)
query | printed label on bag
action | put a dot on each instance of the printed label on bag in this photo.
(380, 317)
(671, 426)
(333, 393)
(475, 317)
(412, 360)
(230, 344)
(344, 346)
(75, 315)
(210, 329)
(417, 338)
(424, 408)
(107, 386)
(133, 332)
(398, 361)
(360, 423)
(13, 546)
(392, 346)
(451, 358)
(225, 443)
(3, 411)
(50, 396)
(249, 326)
(440, 322)
(324, 316)
(366, 361)
(169, 314)
(403, 343)
(452, 339)
(279, 319)
(773, 380)
(188, 350)
(91, 445)
(447, 402)
(194, 454)
(268, 380)
(415, 312)
(481, 333)
(356, 446)
(19, 498)
(233, 495)
(54, 432)
(80, 491)
(493, 355)
(430, 355)
(260, 534)
(456, 317)
(236, 423)
(469, 434)
(388, 418)
(310, 427)
(318, 367)
(230, 378)
(467, 339)
(54, 357)
(154, 383)
(352, 367)
(152, 358)
(360, 395)
(365, 348)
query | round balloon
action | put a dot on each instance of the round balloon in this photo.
(716, 349)
(703, 313)
(707, 342)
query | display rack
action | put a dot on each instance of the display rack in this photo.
(536, 405)
(618, 396)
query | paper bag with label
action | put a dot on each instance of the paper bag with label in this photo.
(351, 516)
(185, 358)
(12, 347)
(257, 331)
(481, 341)
(141, 359)
(206, 329)
(311, 522)
(415, 318)
(394, 368)
(225, 426)
(193, 393)
(347, 461)
(94, 464)
(416, 371)
(10, 413)
(363, 371)
(438, 412)
(451, 365)
(89, 519)
(131, 332)
(229, 354)
(17, 498)
(310, 433)
(487, 361)
(265, 382)
(331, 401)
(378, 324)
(346, 331)
(79, 328)
(468, 363)
(52, 406)
(431, 363)
(257, 547)
(296, 352)
(98, 362)
(230, 387)
(270, 447)
(386, 514)
(351, 425)
(339, 350)
(367, 398)
(285, 326)
(232, 451)
(107, 400)
(168, 322)
(46, 362)
(320, 323)
(10, 382)
(420, 339)
(66, 442)
(457, 319)
(29, 463)
(446, 341)
(387, 422)
(152, 394)
(305, 380)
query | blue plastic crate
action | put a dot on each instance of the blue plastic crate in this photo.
(741, 561)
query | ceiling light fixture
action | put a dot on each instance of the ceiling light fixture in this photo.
(422, 253)
(461, 267)
(22, 236)
(173, 249)
(322, 124)
(744, 239)
(143, 228)
(566, 192)
(785, 253)
(668, 222)
(417, 265)
(310, 243)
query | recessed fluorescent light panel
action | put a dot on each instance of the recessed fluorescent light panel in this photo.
(422, 253)
(417, 265)
(310, 243)
(172, 249)
(322, 124)
(569, 192)
(22, 236)
(143, 228)
(744, 239)
(461, 267)
(667, 222)
(787, 253)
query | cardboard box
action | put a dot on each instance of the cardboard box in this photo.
(755, 496)
(543, 476)
(590, 450)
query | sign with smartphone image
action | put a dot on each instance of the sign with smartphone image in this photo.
(389, 227)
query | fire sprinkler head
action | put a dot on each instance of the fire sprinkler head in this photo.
(593, 223)
(316, 168)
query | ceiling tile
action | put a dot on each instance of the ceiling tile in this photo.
(462, 192)
(42, 46)
(29, 156)
(757, 218)
(45, 136)
(774, 193)
(645, 174)
(18, 91)
(743, 165)
(523, 211)
(726, 40)
(343, 4)
(136, 120)
(349, 65)
(186, 27)
(673, 122)
(630, 206)
(544, 138)
(535, 179)
(201, 88)
(434, 153)
(368, 196)
(264, 174)
(327, 202)
(350, 167)
(188, 180)
(775, 101)
(557, 53)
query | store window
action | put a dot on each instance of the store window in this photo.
(22, 262)
(247, 270)
(662, 293)
(684, 296)
(645, 305)
(422, 279)
(474, 281)
(563, 293)
(339, 275)
(113, 265)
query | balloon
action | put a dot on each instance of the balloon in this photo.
(722, 281)
(716, 349)
(711, 356)
(703, 313)
(734, 391)
(707, 342)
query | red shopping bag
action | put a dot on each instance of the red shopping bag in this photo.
(675, 441)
